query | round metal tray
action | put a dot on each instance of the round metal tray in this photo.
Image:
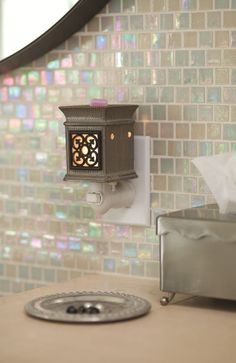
(88, 307)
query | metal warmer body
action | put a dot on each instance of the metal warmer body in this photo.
(198, 252)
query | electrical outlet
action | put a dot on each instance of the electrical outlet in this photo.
(139, 212)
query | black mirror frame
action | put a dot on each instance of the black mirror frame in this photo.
(69, 24)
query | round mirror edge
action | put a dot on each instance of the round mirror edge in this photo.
(70, 23)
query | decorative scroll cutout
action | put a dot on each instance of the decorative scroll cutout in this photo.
(86, 150)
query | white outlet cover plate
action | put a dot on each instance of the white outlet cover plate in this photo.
(139, 212)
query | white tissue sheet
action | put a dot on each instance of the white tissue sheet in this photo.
(219, 173)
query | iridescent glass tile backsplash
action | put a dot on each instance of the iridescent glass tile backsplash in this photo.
(177, 60)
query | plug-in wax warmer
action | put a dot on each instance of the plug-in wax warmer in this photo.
(100, 142)
(100, 149)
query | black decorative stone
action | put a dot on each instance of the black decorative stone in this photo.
(72, 310)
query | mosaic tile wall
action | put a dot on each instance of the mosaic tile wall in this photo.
(176, 59)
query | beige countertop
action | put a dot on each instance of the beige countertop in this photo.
(188, 330)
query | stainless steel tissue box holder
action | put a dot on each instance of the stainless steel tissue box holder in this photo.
(197, 253)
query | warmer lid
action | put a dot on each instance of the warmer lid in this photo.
(107, 115)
